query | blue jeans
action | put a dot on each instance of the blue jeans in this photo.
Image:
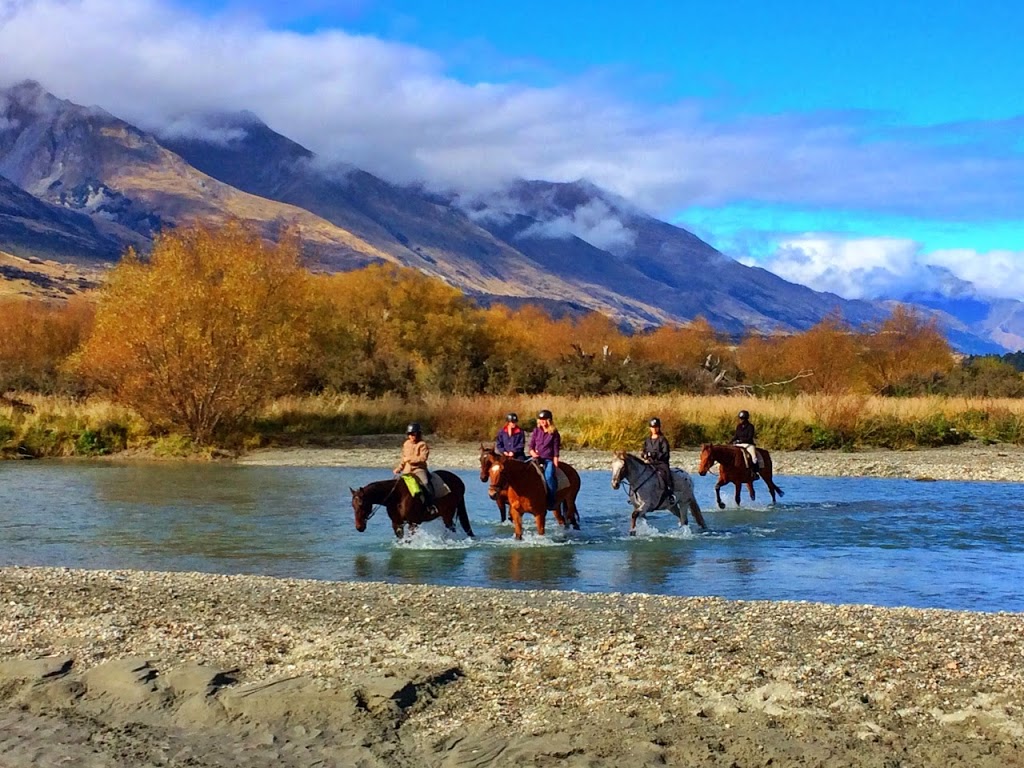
(549, 479)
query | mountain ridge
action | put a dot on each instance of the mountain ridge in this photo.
(568, 246)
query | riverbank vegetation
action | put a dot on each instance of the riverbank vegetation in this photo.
(219, 338)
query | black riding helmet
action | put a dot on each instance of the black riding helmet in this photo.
(743, 415)
(655, 422)
(513, 417)
(414, 429)
(545, 414)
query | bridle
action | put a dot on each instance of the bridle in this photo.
(494, 470)
(633, 490)
(373, 507)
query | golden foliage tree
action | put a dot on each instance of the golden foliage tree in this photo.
(38, 337)
(680, 346)
(903, 350)
(830, 351)
(391, 322)
(205, 330)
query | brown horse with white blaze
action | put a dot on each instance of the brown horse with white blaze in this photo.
(732, 468)
(526, 492)
(404, 509)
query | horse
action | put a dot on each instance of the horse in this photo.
(501, 498)
(732, 468)
(405, 509)
(647, 490)
(527, 492)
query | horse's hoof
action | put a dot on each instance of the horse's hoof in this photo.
(721, 505)
(632, 533)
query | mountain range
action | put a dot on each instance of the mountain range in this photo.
(79, 185)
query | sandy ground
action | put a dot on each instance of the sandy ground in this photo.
(149, 669)
(101, 669)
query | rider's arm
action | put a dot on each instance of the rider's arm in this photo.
(557, 445)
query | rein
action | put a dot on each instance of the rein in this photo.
(636, 489)
(374, 505)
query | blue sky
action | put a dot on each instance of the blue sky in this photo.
(811, 138)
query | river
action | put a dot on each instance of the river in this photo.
(957, 545)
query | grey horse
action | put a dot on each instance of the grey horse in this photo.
(646, 490)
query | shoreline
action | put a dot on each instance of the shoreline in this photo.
(200, 669)
(996, 463)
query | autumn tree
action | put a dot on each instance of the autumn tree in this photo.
(202, 332)
(38, 337)
(904, 352)
(395, 329)
(829, 352)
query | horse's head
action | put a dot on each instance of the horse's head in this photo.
(618, 469)
(496, 474)
(706, 460)
(487, 459)
(362, 508)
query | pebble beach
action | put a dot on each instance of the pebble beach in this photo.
(131, 668)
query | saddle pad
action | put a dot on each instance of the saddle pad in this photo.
(438, 487)
(561, 478)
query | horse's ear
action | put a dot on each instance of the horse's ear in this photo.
(620, 454)
(354, 491)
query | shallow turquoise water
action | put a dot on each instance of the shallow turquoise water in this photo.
(843, 540)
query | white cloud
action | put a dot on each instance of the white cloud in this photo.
(394, 110)
(885, 267)
(593, 222)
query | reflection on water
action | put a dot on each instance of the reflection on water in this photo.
(535, 567)
(424, 565)
(886, 542)
(654, 564)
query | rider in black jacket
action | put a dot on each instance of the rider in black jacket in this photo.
(657, 452)
(746, 437)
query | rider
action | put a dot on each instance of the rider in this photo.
(415, 453)
(656, 452)
(510, 440)
(745, 438)
(545, 444)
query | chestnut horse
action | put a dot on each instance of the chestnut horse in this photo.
(405, 509)
(732, 468)
(527, 492)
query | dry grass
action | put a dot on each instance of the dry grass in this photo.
(62, 426)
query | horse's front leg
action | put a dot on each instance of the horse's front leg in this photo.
(750, 487)
(517, 520)
(632, 522)
(718, 494)
(737, 485)
(502, 501)
(541, 518)
(397, 524)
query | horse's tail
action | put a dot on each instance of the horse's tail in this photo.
(464, 517)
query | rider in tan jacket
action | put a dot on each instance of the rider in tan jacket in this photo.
(415, 453)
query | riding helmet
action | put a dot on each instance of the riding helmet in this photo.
(414, 429)
(545, 414)
(513, 417)
(655, 422)
(743, 415)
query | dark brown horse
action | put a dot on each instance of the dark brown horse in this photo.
(732, 468)
(526, 492)
(405, 509)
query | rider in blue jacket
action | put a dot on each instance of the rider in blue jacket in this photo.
(511, 441)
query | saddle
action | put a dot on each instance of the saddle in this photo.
(561, 479)
(747, 461)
